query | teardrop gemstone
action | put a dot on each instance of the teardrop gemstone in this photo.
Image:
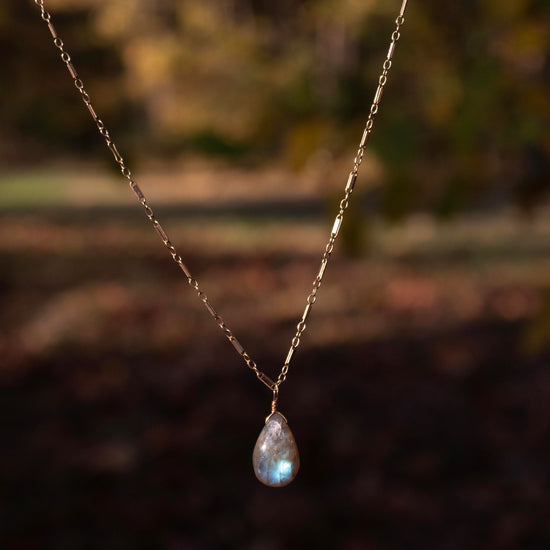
(275, 458)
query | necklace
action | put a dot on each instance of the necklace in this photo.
(275, 458)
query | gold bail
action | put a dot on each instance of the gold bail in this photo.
(275, 398)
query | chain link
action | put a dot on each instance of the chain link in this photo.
(344, 203)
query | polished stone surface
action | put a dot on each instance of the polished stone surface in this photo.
(275, 458)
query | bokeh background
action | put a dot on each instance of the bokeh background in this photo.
(420, 394)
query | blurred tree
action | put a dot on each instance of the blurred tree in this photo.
(465, 121)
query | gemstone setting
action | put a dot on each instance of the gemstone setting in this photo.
(275, 458)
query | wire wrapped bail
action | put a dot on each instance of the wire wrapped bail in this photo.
(275, 398)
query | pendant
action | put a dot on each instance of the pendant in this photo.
(275, 458)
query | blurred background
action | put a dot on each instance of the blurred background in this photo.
(420, 394)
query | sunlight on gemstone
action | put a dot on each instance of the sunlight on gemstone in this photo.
(285, 468)
(275, 458)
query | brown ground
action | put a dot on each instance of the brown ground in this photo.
(418, 397)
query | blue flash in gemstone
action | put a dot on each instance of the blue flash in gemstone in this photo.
(275, 458)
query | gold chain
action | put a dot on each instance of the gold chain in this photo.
(344, 203)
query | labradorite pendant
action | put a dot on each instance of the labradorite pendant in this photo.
(275, 458)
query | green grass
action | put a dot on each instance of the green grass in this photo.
(60, 187)
(32, 188)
